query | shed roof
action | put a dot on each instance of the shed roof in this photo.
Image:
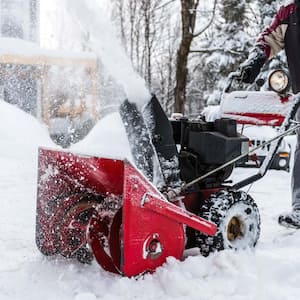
(17, 51)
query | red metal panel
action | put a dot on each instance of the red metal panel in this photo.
(178, 214)
(149, 237)
(131, 229)
(258, 119)
(63, 179)
(102, 175)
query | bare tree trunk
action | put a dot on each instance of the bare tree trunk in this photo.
(170, 73)
(147, 48)
(132, 12)
(188, 15)
(122, 24)
(181, 74)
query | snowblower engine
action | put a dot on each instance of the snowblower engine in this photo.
(206, 145)
(121, 214)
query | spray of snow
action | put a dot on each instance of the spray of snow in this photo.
(93, 17)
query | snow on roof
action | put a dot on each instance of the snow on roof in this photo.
(14, 50)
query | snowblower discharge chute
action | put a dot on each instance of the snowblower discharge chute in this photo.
(130, 219)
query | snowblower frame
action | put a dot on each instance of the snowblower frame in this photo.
(130, 219)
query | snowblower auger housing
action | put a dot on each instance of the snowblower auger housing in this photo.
(124, 217)
(91, 206)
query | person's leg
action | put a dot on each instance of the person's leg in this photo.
(296, 178)
(292, 219)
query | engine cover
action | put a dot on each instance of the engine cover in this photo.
(207, 145)
(215, 148)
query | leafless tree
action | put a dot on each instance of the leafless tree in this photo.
(189, 19)
(149, 37)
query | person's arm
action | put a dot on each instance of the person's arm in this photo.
(269, 43)
(272, 38)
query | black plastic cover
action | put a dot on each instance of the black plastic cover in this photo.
(215, 148)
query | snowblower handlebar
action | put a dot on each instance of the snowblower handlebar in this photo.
(237, 75)
(285, 129)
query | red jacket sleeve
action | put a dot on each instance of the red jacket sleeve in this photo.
(272, 38)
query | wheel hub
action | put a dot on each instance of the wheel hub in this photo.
(234, 229)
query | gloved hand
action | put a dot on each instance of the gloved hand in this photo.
(251, 67)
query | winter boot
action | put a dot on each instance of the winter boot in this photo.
(290, 220)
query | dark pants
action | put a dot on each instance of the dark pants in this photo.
(296, 172)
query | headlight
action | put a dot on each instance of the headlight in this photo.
(282, 163)
(279, 81)
(245, 147)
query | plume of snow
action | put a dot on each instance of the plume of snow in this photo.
(93, 17)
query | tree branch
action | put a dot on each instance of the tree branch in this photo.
(210, 50)
(210, 21)
(164, 5)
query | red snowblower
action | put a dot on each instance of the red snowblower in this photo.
(176, 195)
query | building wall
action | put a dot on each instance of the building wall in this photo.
(20, 19)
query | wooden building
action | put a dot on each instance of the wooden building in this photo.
(52, 85)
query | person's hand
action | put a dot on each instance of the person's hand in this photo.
(251, 67)
(249, 72)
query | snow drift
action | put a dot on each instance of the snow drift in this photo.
(107, 139)
(21, 134)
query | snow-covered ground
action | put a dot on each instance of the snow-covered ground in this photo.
(271, 271)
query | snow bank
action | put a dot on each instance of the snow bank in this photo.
(21, 134)
(108, 138)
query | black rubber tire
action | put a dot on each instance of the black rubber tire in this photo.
(84, 255)
(222, 209)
